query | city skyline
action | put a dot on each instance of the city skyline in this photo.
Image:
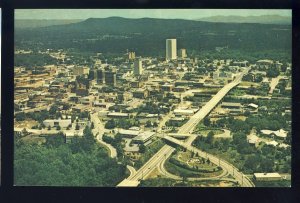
(118, 103)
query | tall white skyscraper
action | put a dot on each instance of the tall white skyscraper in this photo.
(138, 67)
(171, 49)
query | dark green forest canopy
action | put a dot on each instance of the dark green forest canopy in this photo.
(147, 36)
(80, 163)
(32, 60)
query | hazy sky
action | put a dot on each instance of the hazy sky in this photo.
(140, 13)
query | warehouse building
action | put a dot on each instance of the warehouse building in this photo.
(267, 176)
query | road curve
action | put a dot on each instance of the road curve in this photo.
(243, 180)
(98, 131)
(165, 151)
(163, 171)
(131, 170)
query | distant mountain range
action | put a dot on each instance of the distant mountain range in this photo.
(147, 36)
(31, 23)
(263, 19)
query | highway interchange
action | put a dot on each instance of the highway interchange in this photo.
(166, 151)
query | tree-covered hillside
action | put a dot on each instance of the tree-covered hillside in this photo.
(80, 163)
(147, 36)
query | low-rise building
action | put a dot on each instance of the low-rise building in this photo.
(179, 89)
(136, 84)
(167, 87)
(143, 137)
(230, 105)
(185, 112)
(128, 133)
(176, 121)
(267, 176)
(140, 93)
(70, 134)
(279, 133)
(81, 70)
(264, 64)
(131, 150)
(63, 123)
(253, 106)
(117, 115)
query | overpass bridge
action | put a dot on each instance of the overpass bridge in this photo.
(188, 128)
(179, 135)
(243, 180)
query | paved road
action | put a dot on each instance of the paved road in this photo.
(99, 131)
(131, 170)
(163, 171)
(208, 107)
(152, 163)
(274, 83)
(166, 150)
(164, 120)
(243, 180)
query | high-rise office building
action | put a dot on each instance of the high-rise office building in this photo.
(131, 55)
(110, 78)
(182, 53)
(81, 70)
(92, 74)
(138, 67)
(171, 49)
(100, 76)
(97, 74)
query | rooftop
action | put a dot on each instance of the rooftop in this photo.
(267, 175)
(231, 104)
(144, 135)
(117, 114)
(279, 133)
(129, 132)
(265, 61)
(253, 105)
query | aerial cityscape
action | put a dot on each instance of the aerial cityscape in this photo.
(133, 99)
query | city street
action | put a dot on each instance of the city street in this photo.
(99, 131)
(166, 150)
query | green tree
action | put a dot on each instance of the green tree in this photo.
(37, 165)
(20, 116)
(55, 140)
(142, 148)
(267, 165)
(148, 123)
(210, 137)
(206, 121)
(88, 140)
(110, 124)
(53, 109)
(273, 72)
(247, 113)
(252, 163)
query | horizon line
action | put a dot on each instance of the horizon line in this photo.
(154, 17)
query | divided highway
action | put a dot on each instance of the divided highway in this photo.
(167, 150)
